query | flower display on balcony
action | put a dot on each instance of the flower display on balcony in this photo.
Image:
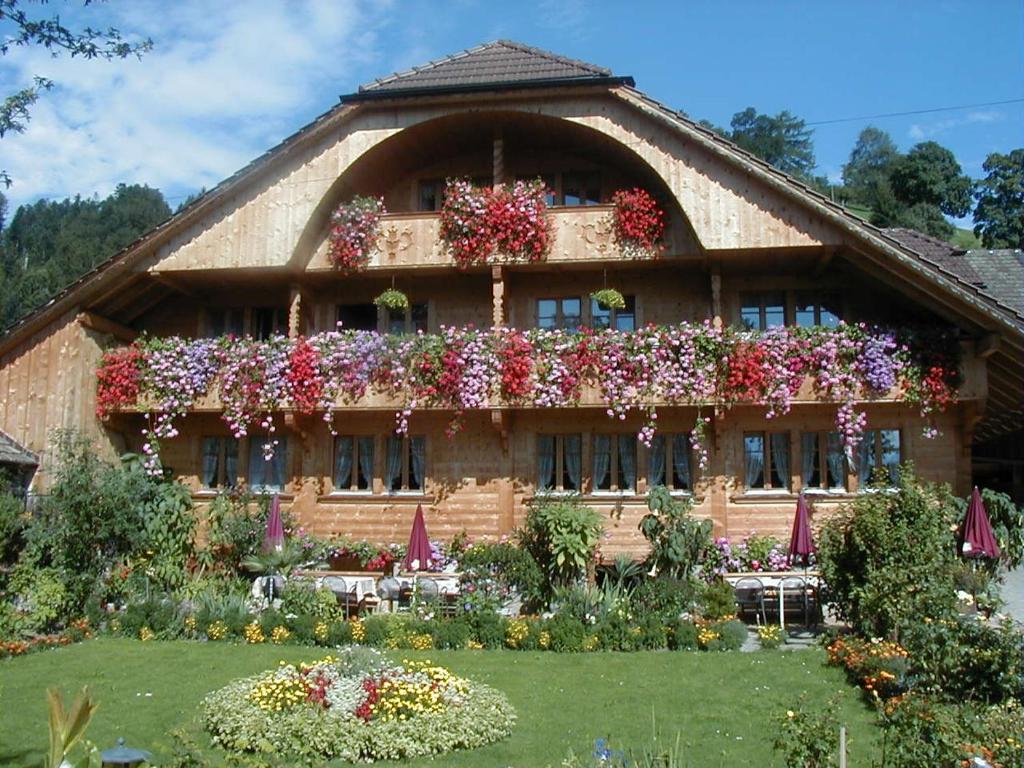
(609, 298)
(355, 226)
(392, 299)
(480, 223)
(638, 223)
(462, 369)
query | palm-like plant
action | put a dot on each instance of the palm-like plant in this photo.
(67, 727)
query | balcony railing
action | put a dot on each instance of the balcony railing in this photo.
(581, 234)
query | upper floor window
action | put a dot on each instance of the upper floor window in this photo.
(620, 319)
(822, 461)
(879, 449)
(405, 463)
(409, 320)
(223, 322)
(220, 462)
(353, 463)
(357, 317)
(564, 313)
(267, 321)
(559, 462)
(430, 192)
(668, 462)
(761, 311)
(581, 188)
(267, 475)
(766, 460)
(814, 309)
(614, 463)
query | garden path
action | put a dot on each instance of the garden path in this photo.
(1013, 594)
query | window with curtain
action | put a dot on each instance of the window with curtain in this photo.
(405, 464)
(766, 460)
(267, 321)
(560, 462)
(268, 475)
(817, 309)
(410, 320)
(219, 462)
(620, 319)
(565, 313)
(669, 462)
(353, 463)
(878, 457)
(822, 461)
(224, 322)
(614, 463)
(760, 311)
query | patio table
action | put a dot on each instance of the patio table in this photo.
(774, 582)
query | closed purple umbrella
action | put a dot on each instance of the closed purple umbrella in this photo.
(273, 540)
(976, 536)
(418, 556)
(801, 545)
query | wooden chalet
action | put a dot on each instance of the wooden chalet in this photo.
(744, 243)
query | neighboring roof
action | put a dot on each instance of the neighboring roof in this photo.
(1002, 271)
(491, 66)
(12, 452)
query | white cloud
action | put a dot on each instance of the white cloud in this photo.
(223, 83)
(922, 131)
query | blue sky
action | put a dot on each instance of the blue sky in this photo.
(226, 81)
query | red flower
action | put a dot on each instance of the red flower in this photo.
(305, 382)
(118, 380)
(638, 220)
(747, 376)
(515, 355)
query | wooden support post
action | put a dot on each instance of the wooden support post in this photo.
(987, 345)
(498, 295)
(716, 295)
(101, 324)
(294, 311)
(499, 160)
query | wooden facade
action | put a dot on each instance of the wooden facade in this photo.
(736, 228)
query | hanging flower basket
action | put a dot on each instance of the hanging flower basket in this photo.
(392, 299)
(355, 226)
(609, 298)
(638, 223)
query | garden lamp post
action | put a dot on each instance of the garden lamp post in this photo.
(124, 756)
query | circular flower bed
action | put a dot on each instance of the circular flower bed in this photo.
(358, 707)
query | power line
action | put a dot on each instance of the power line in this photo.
(915, 112)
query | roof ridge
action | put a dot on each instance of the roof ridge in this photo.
(432, 64)
(603, 71)
(925, 236)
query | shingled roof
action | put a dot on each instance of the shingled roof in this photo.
(1002, 271)
(12, 452)
(493, 66)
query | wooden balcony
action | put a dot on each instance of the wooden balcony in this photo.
(581, 234)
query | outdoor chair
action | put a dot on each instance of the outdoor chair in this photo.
(750, 596)
(799, 597)
(388, 589)
(428, 591)
(347, 598)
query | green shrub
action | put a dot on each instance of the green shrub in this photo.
(562, 534)
(732, 634)
(339, 633)
(44, 597)
(488, 627)
(495, 571)
(653, 633)
(808, 736)
(236, 524)
(718, 600)
(678, 540)
(387, 629)
(453, 634)
(232, 610)
(302, 628)
(664, 597)
(13, 521)
(683, 636)
(567, 633)
(616, 632)
(160, 616)
(888, 557)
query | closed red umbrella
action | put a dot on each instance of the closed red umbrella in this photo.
(976, 536)
(418, 556)
(273, 540)
(801, 545)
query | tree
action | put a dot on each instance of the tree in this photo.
(999, 216)
(783, 141)
(929, 173)
(871, 161)
(18, 30)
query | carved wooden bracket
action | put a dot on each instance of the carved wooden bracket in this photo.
(500, 422)
(102, 324)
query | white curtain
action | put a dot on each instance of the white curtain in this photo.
(891, 453)
(780, 456)
(602, 461)
(573, 461)
(656, 462)
(211, 458)
(545, 461)
(866, 457)
(836, 461)
(342, 463)
(419, 449)
(365, 479)
(681, 461)
(754, 449)
(231, 462)
(627, 462)
(393, 471)
(279, 464)
(808, 457)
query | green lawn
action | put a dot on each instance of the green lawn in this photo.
(723, 706)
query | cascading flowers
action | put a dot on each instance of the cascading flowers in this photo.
(638, 223)
(463, 369)
(353, 232)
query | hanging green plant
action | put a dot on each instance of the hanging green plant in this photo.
(392, 299)
(609, 298)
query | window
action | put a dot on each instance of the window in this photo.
(581, 188)
(812, 309)
(614, 463)
(620, 319)
(559, 462)
(760, 311)
(668, 462)
(430, 195)
(822, 461)
(267, 475)
(266, 321)
(223, 322)
(357, 317)
(879, 450)
(565, 313)
(405, 464)
(409, 320)
(766, 462)
(220, 462)
(353, 463)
